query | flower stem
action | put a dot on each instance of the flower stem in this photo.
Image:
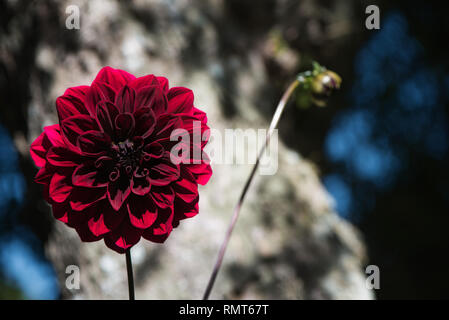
(129, 269)
(273, 124)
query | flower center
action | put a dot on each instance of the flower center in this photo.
(127, 156)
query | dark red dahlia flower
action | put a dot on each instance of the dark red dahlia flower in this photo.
(108, 168)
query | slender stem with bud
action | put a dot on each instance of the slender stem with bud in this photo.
(129, 269)
(319, 83)
(274, 122)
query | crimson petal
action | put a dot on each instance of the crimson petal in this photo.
(61, 157)
(86, 175)
(202, 172)
(185, 210)
(78, 95)
(152, 97)
(67, 107)
(38, 151)
(43, 176)
(99, 91)
(180, 100)
(59, 189)
(85, 234)
(52, 137)
(75, 126)
(97, 226)
(123, 237)
(83, 198)
(118, 191)
(72, 102)
(142, 212)
(145, 122)
(124, 123)
(162, 228)
(148, 80)
(125, 99)
(114, 77)
(141, 185)
(164, 172)
(106, 114)
(163, 197)
(186, 188)
(154, 150)
(93, 142)
(163, 82)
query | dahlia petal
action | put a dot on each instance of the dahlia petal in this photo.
(114, 77)
(119, 191)
(63, 212)
(106, 114)
(138, 142)
(180, 100)
(154, 150)
(200, 115)
(184, 210)
(163, 197)
(142, 212)
(75, 126)
(165, 126)
(163, 82)
(202, 172)
(141, 185)
(162, 228)
(85, 234)
(97, 226)
(93, 142)
(103, 162)
(186, 188)
(61, 157)
(151, 97)
(38, 151)
(125, 124)
(72, 102)
(78, 96)
(99, 91)
(140, 82)
(52, 137)
(145, 122)
(75, 218)
(83, 198)
(86, 175)
(66, 107)
(124, 237)
(125, 99)
(43, 176)
(59, 189)
(113, 218)
(106, 91)
(164, 172)
(192, 124)
(60, 212)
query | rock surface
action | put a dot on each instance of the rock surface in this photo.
(288, 244)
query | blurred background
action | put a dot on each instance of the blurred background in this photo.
(361, 182)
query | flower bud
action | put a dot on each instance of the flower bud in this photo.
(326, 82)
